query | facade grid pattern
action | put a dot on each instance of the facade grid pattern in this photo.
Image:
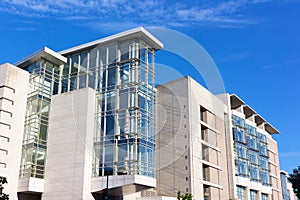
(251, 152)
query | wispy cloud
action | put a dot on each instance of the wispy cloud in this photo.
(25, 29)
(156, 12)
(288, 63)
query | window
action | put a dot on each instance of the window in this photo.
(242, 168)
(262, 138)
(263, 150)
(241, 193)
(253, 157)
(264, 163)
(239, 135)
(241, 151)
(252, 143)
(264, 196)
(253, 195)
(265, 177)
(254, 173)
(250, 129)
(237, 121)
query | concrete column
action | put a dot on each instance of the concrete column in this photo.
(13, 98)
(70, 146)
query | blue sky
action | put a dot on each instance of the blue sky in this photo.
(255, 44)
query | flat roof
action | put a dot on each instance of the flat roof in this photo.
(259, 119)
(139, 32)
(248, 111)
(46, 53)
(284, 172)
(236, 101)
(271, 129)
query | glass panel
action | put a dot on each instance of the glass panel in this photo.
(253, 195)
(126, 105)
(241, 193)
(143, 52)
(112, 56)
(124, 53)
(240, 135)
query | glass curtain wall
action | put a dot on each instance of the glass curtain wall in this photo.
(285, 192)
(251, 152)
(124, 138)
(43, 82)
(123, 75)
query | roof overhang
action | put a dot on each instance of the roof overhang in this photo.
(45, 53)
(139, 32)
(284, 172)
(248, 111)
(235, 101)
(259, 119)
(270, 129)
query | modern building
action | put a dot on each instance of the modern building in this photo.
(88, 122)
(213, 146)
(80, 117)
(191, 148)
(252, 153)
(287, 188)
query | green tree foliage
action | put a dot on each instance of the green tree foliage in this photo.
(3, 181)
(295, 180)
(185, 196)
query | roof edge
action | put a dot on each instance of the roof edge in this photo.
(39, 52)
(158, 45)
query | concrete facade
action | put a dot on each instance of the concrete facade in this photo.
(190, 141)
(70, 146)
(201, 152)
(13, 91)
(263, 187)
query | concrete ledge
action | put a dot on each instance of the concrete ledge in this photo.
(156, 198)
(31, 185)
(99, 183)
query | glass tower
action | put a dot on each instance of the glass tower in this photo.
(122, 72)
(43, 83)
(123, 75)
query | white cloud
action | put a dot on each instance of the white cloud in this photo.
(155, 12)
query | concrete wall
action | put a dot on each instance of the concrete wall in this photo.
(173, 132)
(70, 143)
(230, 153)
(179, 154)
(207, 113)
(274, 169)
(13, 97)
